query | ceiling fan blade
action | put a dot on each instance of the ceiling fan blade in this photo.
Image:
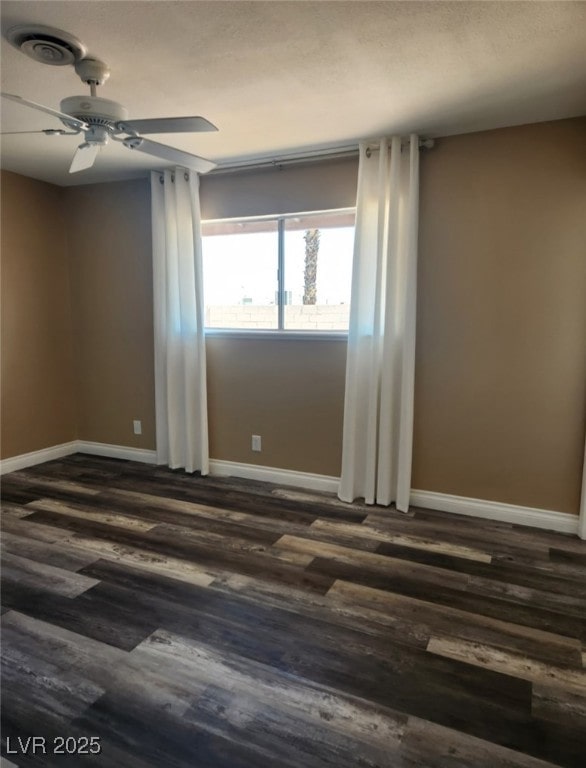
(173, 155)
(168, 125)
(71, 121)
(84, 157)
(17, 133)
(46, 131)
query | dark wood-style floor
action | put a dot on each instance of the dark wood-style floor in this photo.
(218, 623)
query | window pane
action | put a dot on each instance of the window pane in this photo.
(318, 271)
(240, 261)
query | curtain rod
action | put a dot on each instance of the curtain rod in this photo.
(307, 157)
(335, 153)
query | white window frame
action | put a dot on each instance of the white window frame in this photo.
(281, 332)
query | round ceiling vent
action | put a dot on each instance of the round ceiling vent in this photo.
(46, 45)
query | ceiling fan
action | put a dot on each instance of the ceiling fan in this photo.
(100, 120)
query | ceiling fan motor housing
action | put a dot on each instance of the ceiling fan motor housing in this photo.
(94, 110)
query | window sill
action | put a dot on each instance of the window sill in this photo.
(240, 333)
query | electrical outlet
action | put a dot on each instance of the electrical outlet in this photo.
(137, 425)
(256, 443)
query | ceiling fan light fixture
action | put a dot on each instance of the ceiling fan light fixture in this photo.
(97, 134)
(46, 45)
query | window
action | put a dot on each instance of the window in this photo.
(286, 273)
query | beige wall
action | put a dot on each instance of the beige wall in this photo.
(38, 394)
(501, 335)
(290, 392)
(109, 231)
(501, 353)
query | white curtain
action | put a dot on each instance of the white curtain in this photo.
(180, 361)
(378, 410)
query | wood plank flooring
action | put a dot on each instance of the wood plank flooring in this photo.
(219, 623)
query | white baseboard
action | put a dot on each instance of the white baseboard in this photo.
(76, 446)
(582, 523)
(37, 457)
(117, 452)
(495, 510)
(460, 505)
(274, 475)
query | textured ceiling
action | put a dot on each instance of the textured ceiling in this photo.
(284, 77)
